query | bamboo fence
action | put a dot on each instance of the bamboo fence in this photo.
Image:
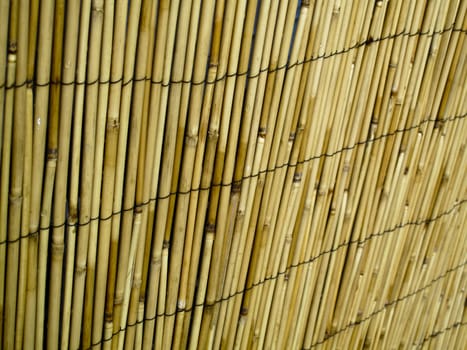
(241, 174)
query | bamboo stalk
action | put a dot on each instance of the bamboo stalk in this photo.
(5, 10)
(58, 147)
(24, 249)
(66, 109)
(23, 261)
(83, 215)
(17, 172)
(5, 178)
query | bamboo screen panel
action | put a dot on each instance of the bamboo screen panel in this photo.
(209, 174)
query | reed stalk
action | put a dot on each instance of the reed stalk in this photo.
(9, 44)
(66, 110)
(5, 178)
(82, 216)
(24, 249)
(5, 9)
(15, 197)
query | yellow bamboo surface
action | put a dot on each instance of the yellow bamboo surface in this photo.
(240, 174)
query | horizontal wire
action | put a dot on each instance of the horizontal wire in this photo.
(288, 165)
(442, 331)
(391, 303)
(287, 66)
(309, 261)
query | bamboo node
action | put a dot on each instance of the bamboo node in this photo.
(181, 305)
(292, 137)
(300, 127)
(12, 48)
(52, 154)
(108, 317)
(118, 299)
(113, 125)
(236, 186)
(137, 283)
(244, 311)
(322, 191)
(191, 140)
(210, 228)
(336, 9)
(213, 134)
(297, 177)
(156, 260)
(306, 3)
(15, 199)
(80, 269)
(166, 245)
(57, 248)
(262, 132)
(346, 167)
(98, 7)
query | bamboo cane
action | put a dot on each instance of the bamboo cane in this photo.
(5, 9)
(16, 183)
(82, 216)
(24, 249)
(66, 106)
(58, 146)
(5, 178)
(23, 261)
(66, 109)
(47, 193)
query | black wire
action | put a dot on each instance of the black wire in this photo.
(286, 66)
(371, 236)
(444, 330)
(291, 165)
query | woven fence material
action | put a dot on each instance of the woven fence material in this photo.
(263, 174)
